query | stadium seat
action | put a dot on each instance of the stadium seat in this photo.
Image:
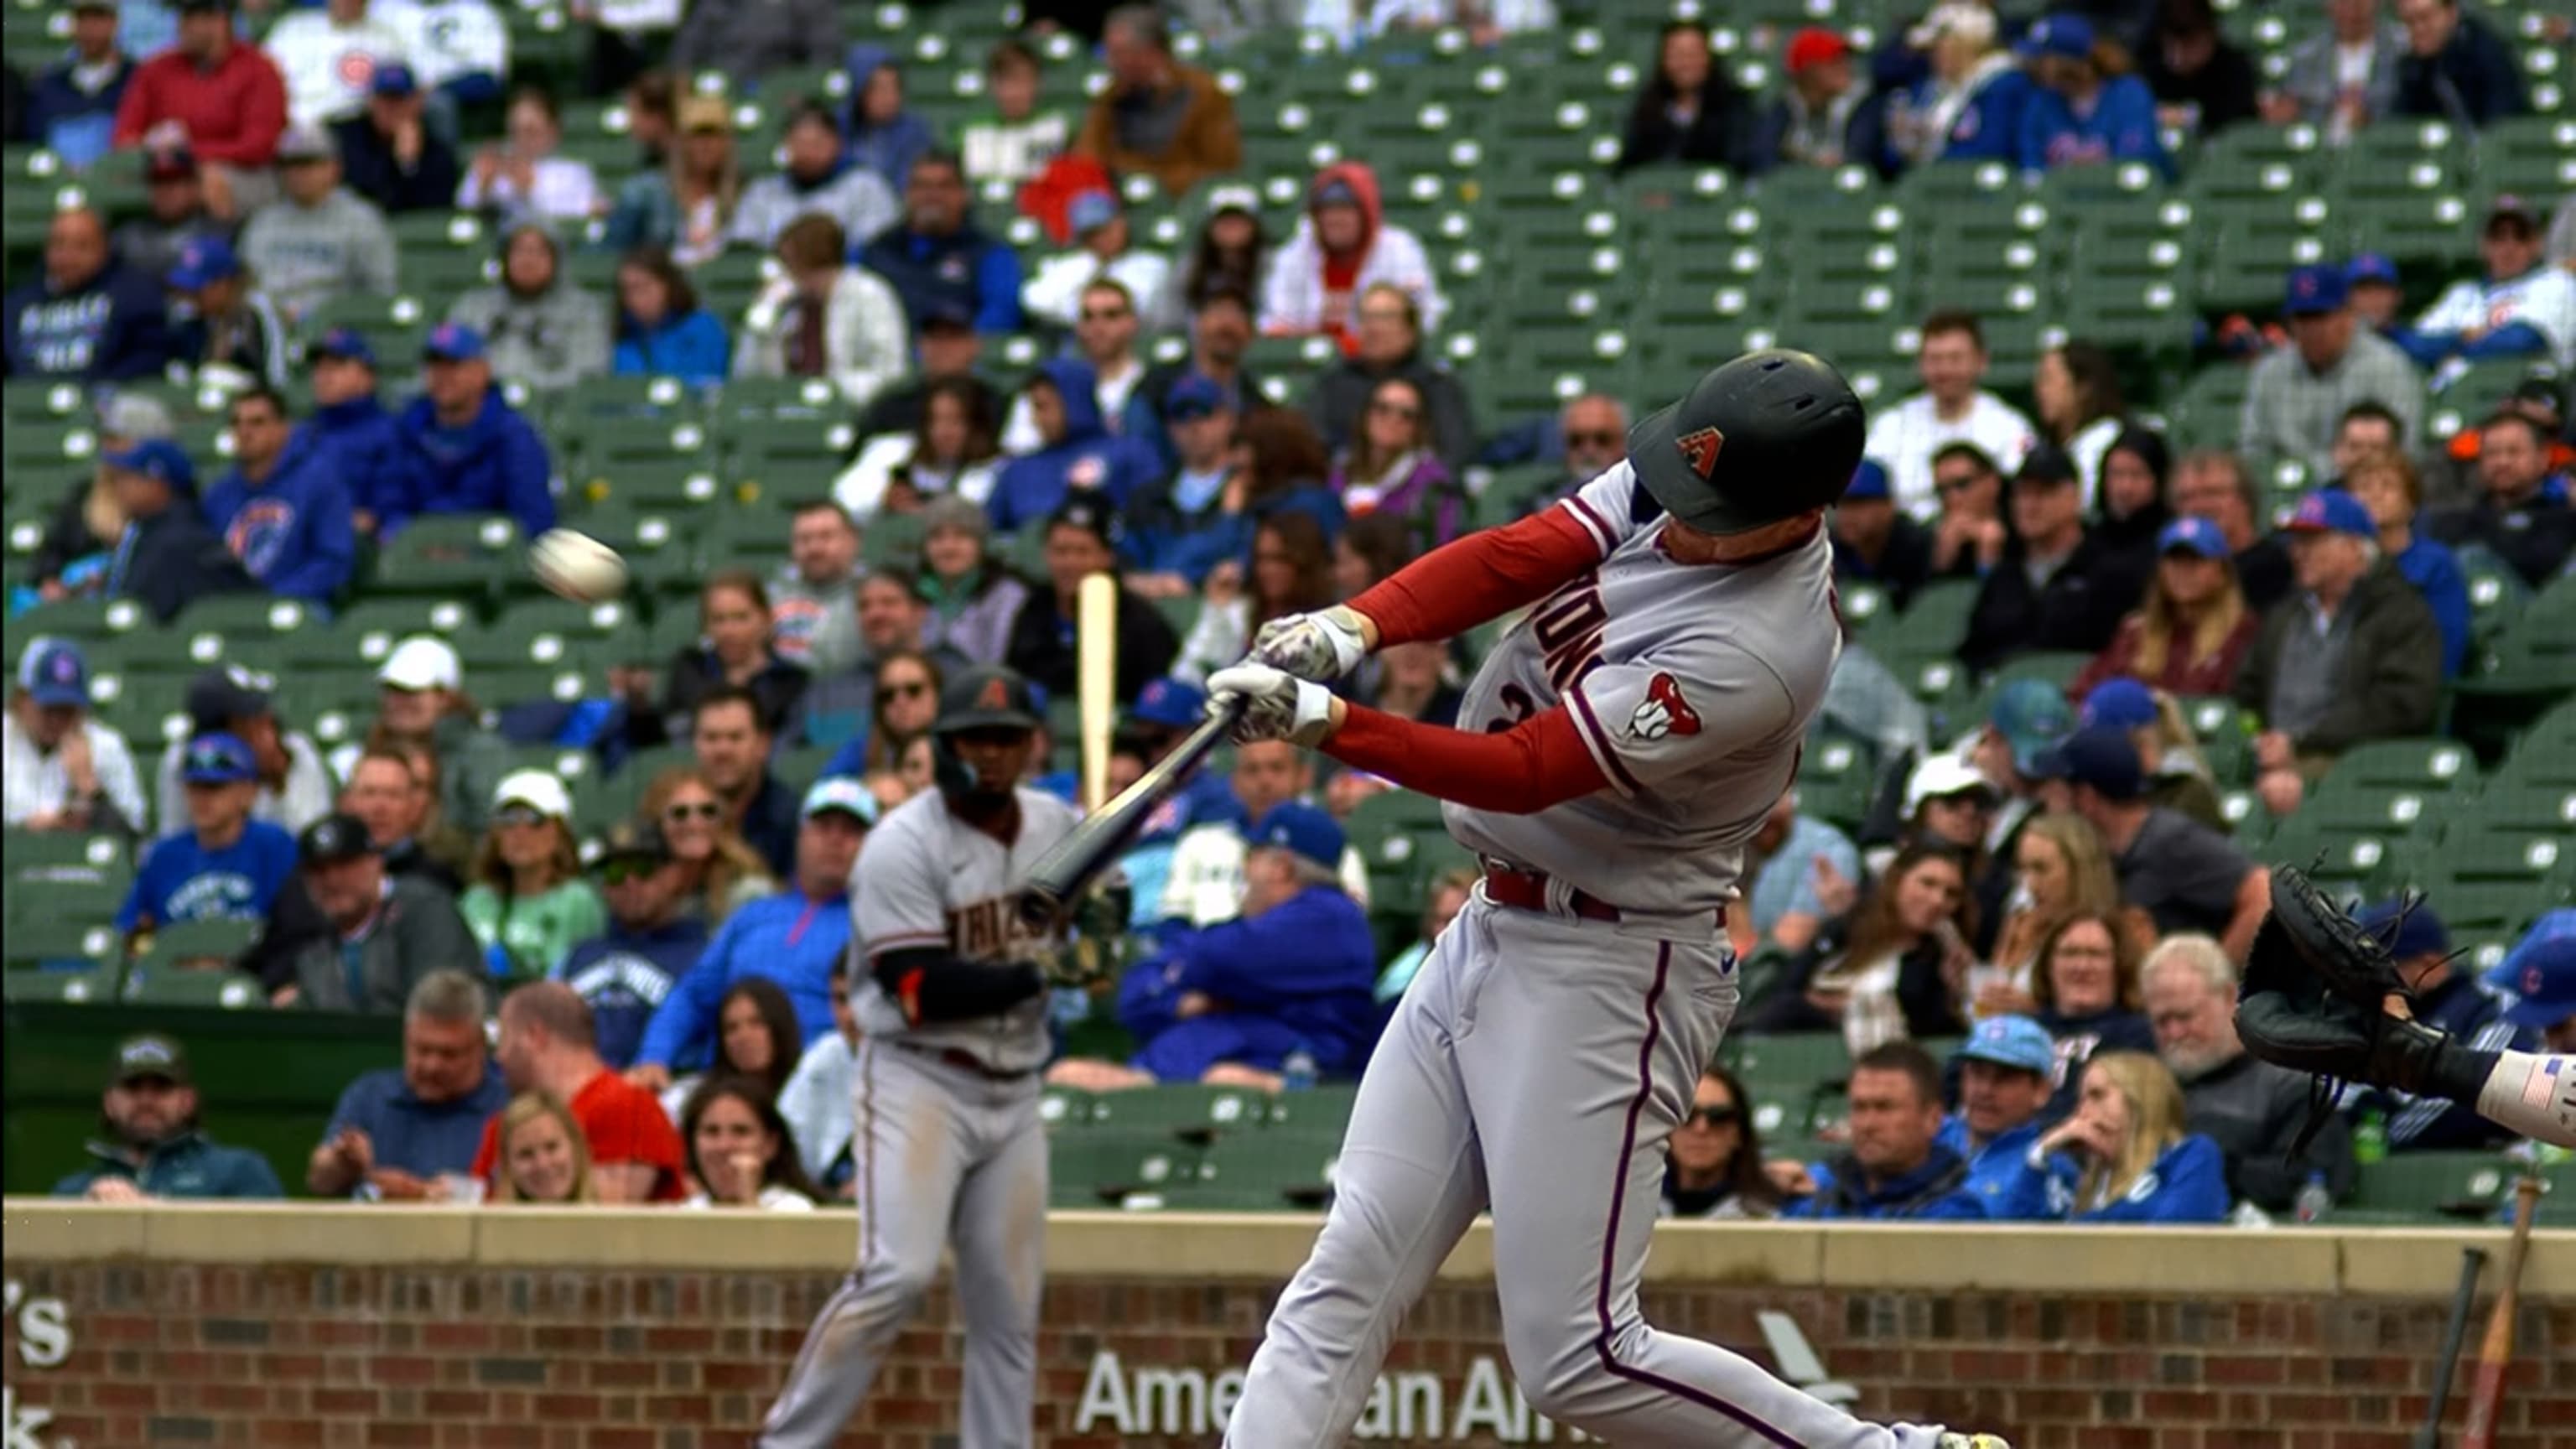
(2420, 1185)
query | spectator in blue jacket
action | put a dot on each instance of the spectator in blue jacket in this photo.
(661, 329)
(2084, 111)
(220, 319)
(470, 451)
(1080, 453)
(792, 938)
(627, 971)
(2004, 1074)
(71, 110)
(279, 510)
(88, 318)
(883, 136)
(1175, 524)
(2474, 1013)
(398, 1130)
(166, 558)
(225, 866)
(363, 442)
(936, 255)
(151, 1146)
(2455, 69)
(2124, 1156)
(1897, 1168)
(1969, 107)
(2388, 485)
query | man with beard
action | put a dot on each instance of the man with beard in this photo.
(2251, 1109)
(149, 1146)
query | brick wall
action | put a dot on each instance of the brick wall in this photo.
(445, 1356)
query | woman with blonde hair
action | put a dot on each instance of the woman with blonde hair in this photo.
(719, 869)
(687, 206)
(2061, 870)
(2124, 1155)
(542, 1157)
(530, 903)
(2192, 630)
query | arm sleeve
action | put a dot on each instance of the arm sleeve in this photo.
(2190, 1187)
(332, 551)
(928, 984)
(681, 1020)
(997, 280)
(879, 349)
(1540, 762)
(2513, 339)
(263, 119)
(1473, 579)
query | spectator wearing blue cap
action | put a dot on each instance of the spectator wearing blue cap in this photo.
(2455, 69)
(167, 558)
(2519, 307)
(225, 865)
(368, 454)
(1876, 543)
(2025, 717)
(2474, 1013)
(2352, 655)
(1290, 974)
(2297, 395)
(89, 318)
(2193, 630)
(2178, 778)
(2540, 971)
(2252, 1109)
(1181, 525)
(2059, 585)
(2388, 485)
(1164, 713)
(468, 450)
(72, 558)
(60, 768)
(2182, 874)
(221, 321)
(2006, 1070)
(2343, 77)
(280, 510)
(2087, 110)
(71, 106)
(2522, 513)
(320, 241)
(2375, 290)
(390, 154)
(1104, 247)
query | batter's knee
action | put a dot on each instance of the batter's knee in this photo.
(891, 1290)
(1562, 1373)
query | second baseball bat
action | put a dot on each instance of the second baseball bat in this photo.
(1063, 873)
(2473, 1262)
(2486, 1398)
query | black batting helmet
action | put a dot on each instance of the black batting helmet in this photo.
(989, 697)
(1768, 436)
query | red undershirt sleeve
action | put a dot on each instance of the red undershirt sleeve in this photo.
(1535, 764)
(1482, 576)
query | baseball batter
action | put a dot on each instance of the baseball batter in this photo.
(950, 1148)
(1618, 749)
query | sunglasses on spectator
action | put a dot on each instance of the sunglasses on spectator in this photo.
(1713, 1117)
(627, 869)
(705, 810)
(1106, 314)
(523, 817)
(208, 758)
(1603, 439)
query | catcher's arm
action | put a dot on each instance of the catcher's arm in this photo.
(2532, 1094)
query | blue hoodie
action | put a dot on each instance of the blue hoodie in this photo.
(691, 347)
(2435, 572)
(2119, 126)
(625, 976)
(292, 532)
(367, 454)
(77, 125)
(1935, 1192)
(1297, 977)
(115, 327)
(1994, 1170)
(1089, 456)
(2187, 1184)
(1988, 127)
(494, 464)
(888, 150)
(791, 938)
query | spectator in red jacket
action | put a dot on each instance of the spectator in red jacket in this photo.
(224, 99)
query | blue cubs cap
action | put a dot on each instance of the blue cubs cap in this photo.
(1195, 396)
(2332, 510)
(2315, 290)
(844, 794)
(452, 342)
(2541, 972)
(2120, 704)
(2010, 1041)
(55, 674)
(2193, 535)
(203, 260)
(217, 759)
(158, 459)
(394, 79)
(1091, 211)
(2370, 267)
(2101, 757)
(2068, 37)
(347, 343)
(1170, 703)
(1869, 481)
(2031, 715)
(2421, 933)
(1302, 830)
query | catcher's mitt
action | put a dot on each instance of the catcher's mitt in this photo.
(2354, 963)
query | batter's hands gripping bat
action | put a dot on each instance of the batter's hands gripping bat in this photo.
(2486, 1398)
(2473, 1262)
(1062, 874)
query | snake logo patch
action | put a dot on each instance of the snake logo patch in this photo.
(1663, 711)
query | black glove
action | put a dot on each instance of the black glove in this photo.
(2285, 1016)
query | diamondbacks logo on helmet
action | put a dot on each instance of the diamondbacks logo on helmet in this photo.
(996, 694)
(1700, 449)
(1663, 711)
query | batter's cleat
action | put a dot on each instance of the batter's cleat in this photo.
(1973, 1441)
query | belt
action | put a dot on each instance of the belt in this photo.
(1526, 890)
(965, 1061)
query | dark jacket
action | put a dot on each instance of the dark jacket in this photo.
(1193, 120)
(172, 559)
(1340, 403)
(190, 1165)
(113, 327)
(417, 932)
(2254, 1111)
(257, 340)
(71, 121)
(693, 675)
(769, 826)
(2079, 608)
(2392, 666)
(2079, 1037)
(1713, 136)
(966, 270)
(1042, 645)
(1294, 978)
(1935, 1192)
(2263, 572)
(625, 974)
(2223, 89)
(2469, 82)
(1902, 567)
(496, 463)
(2536, 538)
(368, 167)
(1088, 457)
(68, 537)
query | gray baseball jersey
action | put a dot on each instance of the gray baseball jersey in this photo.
(1691, 685)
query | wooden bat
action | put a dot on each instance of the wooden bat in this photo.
(1096, 663)
(1062, 874)
(2473, 1262)
(2486, 1397)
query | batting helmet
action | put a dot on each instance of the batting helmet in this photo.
(1768, 436)
(990, 697)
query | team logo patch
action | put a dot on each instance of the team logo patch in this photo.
(1699, 450)
(1663, 711)
(996, 695)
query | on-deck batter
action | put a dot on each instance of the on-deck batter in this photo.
(1638, 725)
(949, 1142)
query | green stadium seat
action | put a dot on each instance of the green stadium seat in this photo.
(1104, 1166)
(1189, 1112)
(94, 985)
(148, 984)
(1067, 1109)
(460, 554)
(2423, 1185)
(1276, 1170)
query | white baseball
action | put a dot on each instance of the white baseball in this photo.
(577, 566)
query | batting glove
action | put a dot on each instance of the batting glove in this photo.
(1276, 706)
(1322, 646)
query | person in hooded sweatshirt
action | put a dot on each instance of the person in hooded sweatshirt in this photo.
(1080, 454)
(883, 137)
(661, 329)
(2132, 497)
(935, 257)
(320, 241)
(539, 328)
(167, 557)
(1344, 247)
(87, 318)
(822, 317)
(71, 109)
(223, 321)
(471, 452)
(816, 178)
(363, 443)
(279, 510)
(2084, 113)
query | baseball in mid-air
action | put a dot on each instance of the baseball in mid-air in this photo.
(577, 566)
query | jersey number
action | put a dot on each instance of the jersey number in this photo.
(1568, 629)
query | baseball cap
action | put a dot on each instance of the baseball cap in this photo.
(158, 459)
(843, 793)
(393, 78)
(2046, 463)
(1333, 191)
(149, 1054)
(134, 416)
(2407, 932)
(217, 759)
(2332, 510)
(203, 260)
(2193, 535)
(303, 142)
(1973, 23)
(539, 790)
(2031, 714)
(2068, 37)
(1090, 211)
(452, 342)
(334, 840)
(2369, 268)
(2119, 704)
(2100, 757)
(2542, 392)
(1937, 777)
(226, 693)
(421, 662)
(1088, 514)
(2511, 206)
(991, 697)
(2541, 972)
(55, 674)
(1813, 46)
(2010, 1041)
(1196, 395)
(343, 342)
(1301, 829)
(637, 839)
(1171, 703)
(947, 314)
(1869, 481)
(2314, 291)
(704, 113)
(169, 163)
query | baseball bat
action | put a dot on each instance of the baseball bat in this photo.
(1096, 680)
(2473, 1263)
(1062, 874)
(2486, 1397)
